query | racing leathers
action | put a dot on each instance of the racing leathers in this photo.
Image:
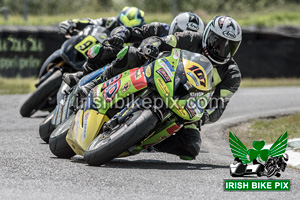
(226, 77)
(119, 36)
(68, 26)
(107, 53)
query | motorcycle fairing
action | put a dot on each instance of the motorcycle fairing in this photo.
(164, 73)
(119, 87)
(85, 127)
(89, 121)
(84, 45)
(156, 137)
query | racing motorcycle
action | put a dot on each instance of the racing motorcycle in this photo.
(67, 99)
(69, 58)
(165, 99)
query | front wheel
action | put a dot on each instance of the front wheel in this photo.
(112, 143)
(46, 127)
(40, 97)
(57, 142)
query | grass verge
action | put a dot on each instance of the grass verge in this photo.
(273, 16)
(270, 82)
(267, 129)
(17, 85)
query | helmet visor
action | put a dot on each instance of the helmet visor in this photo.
(219, 47)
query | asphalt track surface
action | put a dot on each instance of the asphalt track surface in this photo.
(28, 170)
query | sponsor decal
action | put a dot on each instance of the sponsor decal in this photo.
(110, 92)
(77, 125)
(265, 162)
(111, 81)
(191, 112)
(168, 64)
(173, 129)
(166, 68)
(164, 75)
(194, 104)
(180, 110)
(138, 74)
(192, 26)
(176, 54)
(86, 117)
(125, 87)
(162, 85)
(148, 71)
(229, 34)
(138, 79)
(162, 138)
(196, 94)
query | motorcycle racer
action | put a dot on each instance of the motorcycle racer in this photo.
(219, 42)
(129, 16)
(99, 57)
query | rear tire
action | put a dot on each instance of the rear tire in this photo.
(112, 143)
(57, 142)
(39, 97)
(46, 128)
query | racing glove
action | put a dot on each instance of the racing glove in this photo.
(66, 27)
(115, 41)
(150, 50)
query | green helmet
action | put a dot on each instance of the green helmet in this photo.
(131, 17)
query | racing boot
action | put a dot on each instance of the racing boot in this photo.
(72, 79)
(85, 89)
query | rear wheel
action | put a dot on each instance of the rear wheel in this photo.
(46, 127)
(112, 143)
(40, 97)
(57, 142)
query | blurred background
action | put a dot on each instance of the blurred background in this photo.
(271, 32)
(246, 12)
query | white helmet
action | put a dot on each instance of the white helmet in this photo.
(186, 21)
(222, 38)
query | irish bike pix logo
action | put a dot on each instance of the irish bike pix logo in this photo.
(258, 161)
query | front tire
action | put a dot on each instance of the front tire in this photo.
(46, 128)
(57, 142)
(39, 97)
(112, 143)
